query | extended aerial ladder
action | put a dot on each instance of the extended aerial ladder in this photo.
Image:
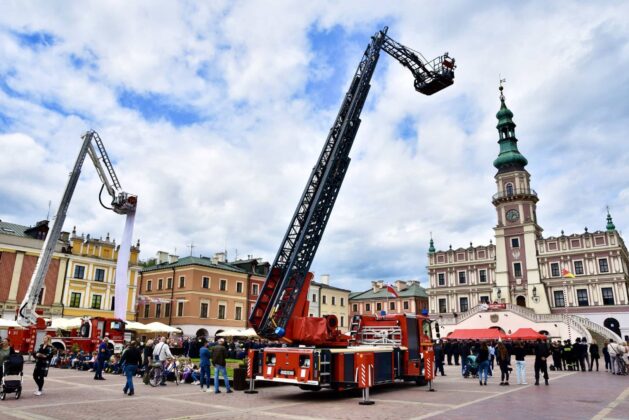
(121, 203)
(282, 295)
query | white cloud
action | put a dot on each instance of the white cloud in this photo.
(232, 179)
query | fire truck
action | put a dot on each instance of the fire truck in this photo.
(380, 349)
(123, 203)
(86, 337)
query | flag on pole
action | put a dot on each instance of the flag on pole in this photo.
(566, 273)
(391, 289)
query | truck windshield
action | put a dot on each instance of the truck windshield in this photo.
(426, 328)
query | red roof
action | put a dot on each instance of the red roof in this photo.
(527, 334)
(477, 334)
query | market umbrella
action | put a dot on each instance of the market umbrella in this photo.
(158, 327)
(135, 326)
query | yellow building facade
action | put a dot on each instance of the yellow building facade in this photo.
(89, 288)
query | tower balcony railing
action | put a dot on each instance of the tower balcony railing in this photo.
(515, 193)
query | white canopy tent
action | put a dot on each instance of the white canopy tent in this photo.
(8, 323)
(65, 323)
(158, 327)
(233, 332)
(136, 326)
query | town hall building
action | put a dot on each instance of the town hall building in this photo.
(563, 286)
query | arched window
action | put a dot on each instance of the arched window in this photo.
(520, 301)
(509, 188)
(612, 324)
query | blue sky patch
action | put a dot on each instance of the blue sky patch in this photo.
(35, 40)
(155, 107)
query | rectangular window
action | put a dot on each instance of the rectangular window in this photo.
(578, 267)
(149, 285)
(221, 311)
(462, 279)
(608, 295)
(96, 301)
(392, 306)
(255, 289)
(333, 300)
(99, 274)
(205, 282)
(354, 308)
(314, 298)
(147, 309)
(223, 285)
(113, 303)
(367, 307)
(482, 276)
(378, 306)
(238, 313)
(517, 269)
(554, 269)
(342, 301)
(179, 309)
(560, 300)
(463, 304)
(484, 299)
(442, 306)
(182, 282)
(79, 272)
(160, 284)
(342, 321)
(204, 310)
(324, 300)
(167, 310)
(582, 297)
(158, 310)
(75, 300)
(441, 279)
(406, 305)
(602, 265)
(515, 242)
(239, 287)
(169, 283)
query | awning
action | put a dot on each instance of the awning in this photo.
(527, 334)
(477, 334)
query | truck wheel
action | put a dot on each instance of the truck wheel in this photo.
(17, 394)
(2, 396)
(310, 387)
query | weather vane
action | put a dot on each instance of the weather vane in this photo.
(502, 96)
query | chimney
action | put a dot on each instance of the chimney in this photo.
(401, 285)
(325, 279)
(173, 259)
(219, 257)
(162, 257)
(374, 286)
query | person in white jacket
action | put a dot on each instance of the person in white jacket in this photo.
(615, 352)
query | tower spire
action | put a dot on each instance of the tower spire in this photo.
(431, 249)
(509, 158)
(610, 223)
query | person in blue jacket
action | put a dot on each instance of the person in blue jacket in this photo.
(204, 364)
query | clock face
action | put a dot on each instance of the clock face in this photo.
(513, 215)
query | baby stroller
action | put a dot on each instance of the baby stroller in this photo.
(471, 367)
(12, 376)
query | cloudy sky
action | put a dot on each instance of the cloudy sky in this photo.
(215, 112)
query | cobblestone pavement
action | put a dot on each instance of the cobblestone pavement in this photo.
(69, 394)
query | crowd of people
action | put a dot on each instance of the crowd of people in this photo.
(477, 358)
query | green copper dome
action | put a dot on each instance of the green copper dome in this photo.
(509, 157)
(431, 249)
(610, 223)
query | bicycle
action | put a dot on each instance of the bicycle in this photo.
(159, 372)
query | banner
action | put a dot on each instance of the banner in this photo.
(122, 269)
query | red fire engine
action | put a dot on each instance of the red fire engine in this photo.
(380, 349)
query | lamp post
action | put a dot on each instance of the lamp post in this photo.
(565, 304)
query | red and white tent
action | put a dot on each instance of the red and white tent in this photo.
(527, 334)
(477, 334)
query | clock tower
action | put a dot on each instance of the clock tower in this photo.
(517, 270)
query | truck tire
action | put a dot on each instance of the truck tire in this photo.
(310, 387)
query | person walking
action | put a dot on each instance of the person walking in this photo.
(594, 356)
(456, 351)
(483, 363)
(131, 359)
(503, 358)
(102, 356)
(541, 354)
(519, 352)
(555, 350)
(492, 357)
(204, 365)
(219, 356)
(42, 362)
(447, 348)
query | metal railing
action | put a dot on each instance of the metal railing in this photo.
(515, 192)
